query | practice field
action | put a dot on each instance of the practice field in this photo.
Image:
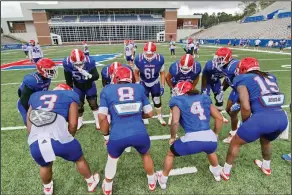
(20, 174)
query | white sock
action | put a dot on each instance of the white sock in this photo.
(108, 185)
(95, 114)
(49, 185)
(111, 167)
(227, 168)
(90, 179)
(232, 132)
(158, 110)
(266, 164)
(163, 178)
(216, 170)
(151, 178)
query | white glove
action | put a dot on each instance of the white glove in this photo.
(85, 73)
(219, 97)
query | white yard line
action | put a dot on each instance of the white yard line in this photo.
(240, 49)
(92, 122)
(182, 171)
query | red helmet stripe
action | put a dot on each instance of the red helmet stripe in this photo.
(187, 60)
(149, 46)
(115, 65)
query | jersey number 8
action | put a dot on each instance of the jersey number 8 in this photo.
(126, 93)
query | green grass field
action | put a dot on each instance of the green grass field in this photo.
(20, 174)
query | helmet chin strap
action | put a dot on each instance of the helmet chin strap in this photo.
(149, 59)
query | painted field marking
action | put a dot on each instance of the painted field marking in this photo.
(93, 122)
(286, 66)
(182, 171)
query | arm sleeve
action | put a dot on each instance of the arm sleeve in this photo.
(68, 78)
(103, 107)
(25, 95)
(173, 102)
(94, 73)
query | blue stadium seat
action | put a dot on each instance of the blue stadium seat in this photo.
(284, 15)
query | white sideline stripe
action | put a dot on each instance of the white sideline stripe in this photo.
(287, 70)
(92, 122)
(240, 49)
(182, 171)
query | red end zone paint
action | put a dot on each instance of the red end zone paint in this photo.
(25, 62)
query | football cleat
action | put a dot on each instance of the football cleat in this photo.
(146, 121)
(128, 149)
(287, 157)
(49, 191)
(80, 122)
(217, 176)
(107, 188)
(152, 186)
(162, 185)
(224, 176)
(160, 119)
(260, 165)
(92, 186)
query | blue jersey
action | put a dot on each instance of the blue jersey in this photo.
(195, 111)
(77, 76)
(124, 103)
(57, 101)
(263, 92)
(178, 76)
(105, 72)
(35, 82)
(149, 71)
(214, 74)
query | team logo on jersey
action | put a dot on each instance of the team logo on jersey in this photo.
(27, 64)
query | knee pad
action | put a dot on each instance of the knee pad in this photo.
(157, 102)
(217, 103)
(92, 101)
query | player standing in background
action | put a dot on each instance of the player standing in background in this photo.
(134, 48)
(148, 67)
(262, 118)
(51, 136)
(217, 42)
(127, 104)
(108, 71)
(270, 45)
(25, 49)
(282, 44)
(257, 44)
(34, 52)
(85, 49)
(224, 62)
(172, 48)
(33, 82)
(193, 112)
(189, 49)
(129, 53)
(196, 49)
(80, 74)
(187, 69)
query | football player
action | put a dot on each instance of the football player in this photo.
(222, 66)
(186, 69)
(193, 112)
(51, 136)
(262, 116)
(127, 104)
(148, 67)
(129, 52)
(134, 48)
(33, 82)
(80, 74)
(172, 48)
(108, 70)
(25, 49)
(85, 49)
(190, 47)
(34, 52)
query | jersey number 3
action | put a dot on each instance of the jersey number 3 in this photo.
(49, 102)
(198, 110)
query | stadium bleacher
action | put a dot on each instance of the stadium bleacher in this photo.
(125, 18)
(7, 40)
(272, 28)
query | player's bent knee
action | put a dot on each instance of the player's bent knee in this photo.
(172, 151)
(157, 102)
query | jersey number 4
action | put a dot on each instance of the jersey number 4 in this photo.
(126, 93)
(266, 85)
(49, 102)
(198, 110)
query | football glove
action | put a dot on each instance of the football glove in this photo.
(161, 91)
(219, 97)
(205, 92)
(85, 74)
(235, 107)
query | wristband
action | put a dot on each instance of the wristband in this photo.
(106, 137)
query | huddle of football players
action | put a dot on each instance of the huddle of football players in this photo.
(53, 116)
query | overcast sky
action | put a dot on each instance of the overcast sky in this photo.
(12, 9)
